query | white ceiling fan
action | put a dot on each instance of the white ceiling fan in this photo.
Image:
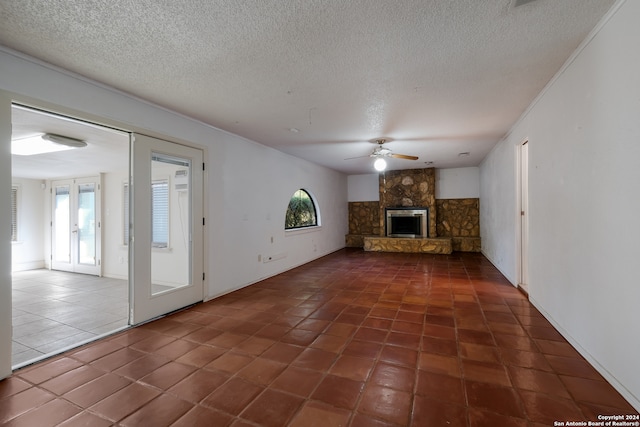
(380, 152)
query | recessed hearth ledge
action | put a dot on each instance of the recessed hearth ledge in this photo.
(434, 245)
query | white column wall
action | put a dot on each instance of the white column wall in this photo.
(363, 188)
(115, 254)
(458, 183)
(5, 236)
(498, 208)
(584, 183)
(28, 252)
(452, 183)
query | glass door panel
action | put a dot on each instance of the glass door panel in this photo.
(61, 227)
(170, 223)
(87, 224)
(165, 197)
(75, 234)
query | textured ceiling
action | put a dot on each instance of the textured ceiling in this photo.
(437, 77)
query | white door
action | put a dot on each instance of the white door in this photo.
(524, 216)
(75, 225)
(166, 234)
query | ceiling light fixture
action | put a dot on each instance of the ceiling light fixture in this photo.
(46, 143)
(380, 164)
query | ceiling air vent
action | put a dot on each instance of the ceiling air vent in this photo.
(517, 3)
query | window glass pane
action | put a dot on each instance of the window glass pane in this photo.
(159, 214)
(170, 222)
(301, 211)
(62, 229)
(87, 224)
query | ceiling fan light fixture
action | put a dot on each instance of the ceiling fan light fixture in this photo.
(380, 164)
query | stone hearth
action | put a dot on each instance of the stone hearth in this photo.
(434, 245)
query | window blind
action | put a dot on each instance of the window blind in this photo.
(160, 214)
(14, 214)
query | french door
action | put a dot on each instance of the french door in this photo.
(166, 233)
(76, 225)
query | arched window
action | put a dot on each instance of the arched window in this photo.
(301, 211)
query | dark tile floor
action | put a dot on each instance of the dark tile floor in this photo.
(353, 339)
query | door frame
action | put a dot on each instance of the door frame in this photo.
(522, 216)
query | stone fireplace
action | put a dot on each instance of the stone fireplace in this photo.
(447, 224)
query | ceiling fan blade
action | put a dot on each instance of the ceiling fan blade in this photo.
(358, 157)
(403, 156)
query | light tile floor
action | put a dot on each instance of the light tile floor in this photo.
(54, 309)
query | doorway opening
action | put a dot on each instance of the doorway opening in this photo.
(70, 280)
(107, 231)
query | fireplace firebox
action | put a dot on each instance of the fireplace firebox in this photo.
(407, 222)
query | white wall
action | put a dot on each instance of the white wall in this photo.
(458, 183)
(28, 252)
(454, 183)
(253, 209)
(498, 208)
(363, 188)
(584, 183)
(248, 185)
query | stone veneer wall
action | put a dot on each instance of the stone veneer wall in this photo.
(460, 220)
(409, 187)
(364, 220)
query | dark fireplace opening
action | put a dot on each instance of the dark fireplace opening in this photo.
(405, 225)
(407, 222)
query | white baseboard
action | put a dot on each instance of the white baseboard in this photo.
(25, 266)
(626, 393)
(498, 268)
